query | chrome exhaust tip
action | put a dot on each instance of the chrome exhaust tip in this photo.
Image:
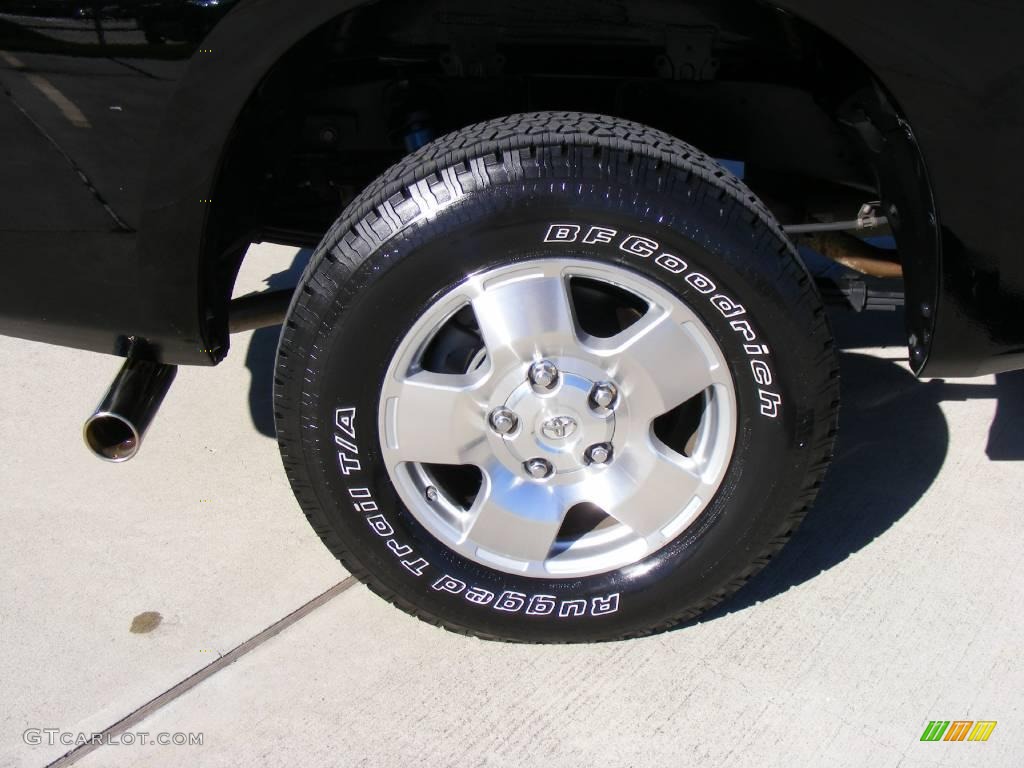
(111, 436)
(115, 430)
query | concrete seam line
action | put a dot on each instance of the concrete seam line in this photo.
(172, 693)
(67, 107)
(121, 225)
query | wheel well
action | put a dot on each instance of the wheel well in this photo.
(742, 81)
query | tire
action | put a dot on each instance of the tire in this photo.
(634, 225)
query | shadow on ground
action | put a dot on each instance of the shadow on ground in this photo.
(259, 359)
(892, 442)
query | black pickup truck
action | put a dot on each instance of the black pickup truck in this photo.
(559, 367)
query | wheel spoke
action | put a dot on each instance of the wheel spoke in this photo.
(436, 418)
(558, 420)
(526, 319)
(514, 518)
(659, 364)
(646, 496)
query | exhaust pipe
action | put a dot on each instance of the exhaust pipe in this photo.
(115, 431)
(258, 310)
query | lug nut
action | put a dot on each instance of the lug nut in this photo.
(543, 374)
(538, 468)
(503, 421)
(603, 395)
(599, 454)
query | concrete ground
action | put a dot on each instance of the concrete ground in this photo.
(897, 603)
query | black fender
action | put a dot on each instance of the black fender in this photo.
(956, 71)
(965, 290)
(183, 174)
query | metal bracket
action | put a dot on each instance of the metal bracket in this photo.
(688, 54)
